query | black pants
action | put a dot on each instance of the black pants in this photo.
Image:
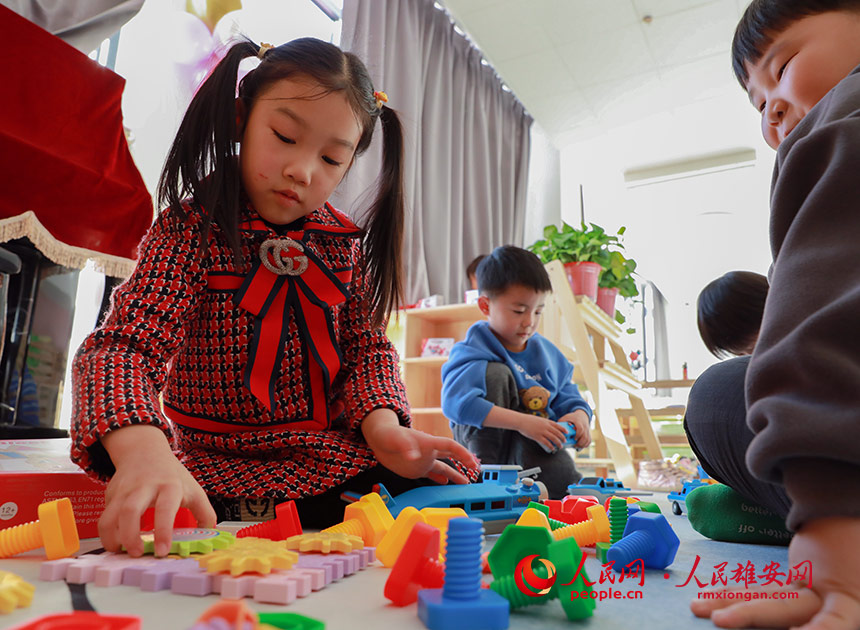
(719, 436)
(318, 511)
(503, 446)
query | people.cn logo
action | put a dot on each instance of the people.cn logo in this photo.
(529, 583)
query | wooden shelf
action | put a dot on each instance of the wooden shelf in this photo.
(446, 313)
(426, 361)
(578, 322)
(423, 375)
(427, 411)
(669, 384)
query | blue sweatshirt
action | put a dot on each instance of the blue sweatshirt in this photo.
(464, 384)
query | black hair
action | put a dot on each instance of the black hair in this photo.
(473, 266)
(763, 19)
(202, 163)
(507, 266)
(730, 310)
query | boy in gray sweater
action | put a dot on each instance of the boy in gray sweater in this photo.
(800, 430)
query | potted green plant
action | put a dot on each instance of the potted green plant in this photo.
(616, 278)
(584, 252)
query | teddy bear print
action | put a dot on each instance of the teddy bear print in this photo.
(535, 399)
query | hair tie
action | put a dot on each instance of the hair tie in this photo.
(264, 48)
(381, 97)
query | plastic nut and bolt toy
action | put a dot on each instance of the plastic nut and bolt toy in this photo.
(417, 566)
(285, 524)
(564, 556)
(461, 603)
(55, 530)
(553, 523)
(617, 519)
(368, 518)
(389, 548)
(586, 533)
(647, 536)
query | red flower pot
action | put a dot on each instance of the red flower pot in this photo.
(606, 300)
(582, 277)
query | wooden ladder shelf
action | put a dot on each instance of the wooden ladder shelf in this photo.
(583, 331)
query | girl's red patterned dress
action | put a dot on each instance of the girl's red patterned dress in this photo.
(265, 378)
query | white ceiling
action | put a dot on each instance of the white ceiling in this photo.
(581, 67)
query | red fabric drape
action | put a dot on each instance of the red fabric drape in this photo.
(63, 153)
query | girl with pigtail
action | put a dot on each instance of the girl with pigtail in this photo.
(244, 362)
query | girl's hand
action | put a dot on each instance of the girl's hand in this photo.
(411, 453)
(147, 474)
(832, 548)
(548, 433)
(580, 420)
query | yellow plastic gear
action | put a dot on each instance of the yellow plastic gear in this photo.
(249, 555)
(326, 542)
(14, 592)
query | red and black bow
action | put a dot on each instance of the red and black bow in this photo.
(307, 286)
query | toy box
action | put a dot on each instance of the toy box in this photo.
(35, 471)
(437, 346)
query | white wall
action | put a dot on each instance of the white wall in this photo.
(686, 232)
(543, 202)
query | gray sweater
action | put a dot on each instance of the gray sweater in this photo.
(803, 383)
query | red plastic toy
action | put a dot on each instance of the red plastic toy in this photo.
(417, 566)
(285, 524)
(184, 518)
(81, 621)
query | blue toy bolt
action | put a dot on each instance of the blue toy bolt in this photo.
(461, 604)
(647, 536)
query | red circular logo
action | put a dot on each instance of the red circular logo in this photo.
(529, 583)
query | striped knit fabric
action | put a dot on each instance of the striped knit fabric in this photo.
(170, 332)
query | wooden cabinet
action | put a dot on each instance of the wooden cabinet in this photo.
(423, 375)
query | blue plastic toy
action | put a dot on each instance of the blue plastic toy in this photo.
(602, 488)
(569, 440)
(461, 603)
(679, 499)
(647, 536)
(501, 495)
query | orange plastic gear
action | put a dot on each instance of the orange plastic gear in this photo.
(326, 542)
(14, 592)
(249, 555)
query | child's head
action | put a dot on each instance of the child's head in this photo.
(472, 271)
(513, 285)
(787, 54)
(300, 119)
(730, 311)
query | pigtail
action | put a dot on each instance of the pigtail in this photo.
(202, 163)
(383, 240)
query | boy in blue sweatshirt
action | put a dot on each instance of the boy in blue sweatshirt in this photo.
(507, 389)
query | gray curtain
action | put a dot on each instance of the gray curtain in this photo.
(467, 141)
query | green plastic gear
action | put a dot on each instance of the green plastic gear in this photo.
(188, 540)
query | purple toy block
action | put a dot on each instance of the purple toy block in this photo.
(158, 577)
(303, 580)
(235, 587)
(198, 584)
(315, 575)
(366, 556)
(82, 571)
(110, 573)
(54, 570)
(353, 563)
(333, 570)
(275, 589)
